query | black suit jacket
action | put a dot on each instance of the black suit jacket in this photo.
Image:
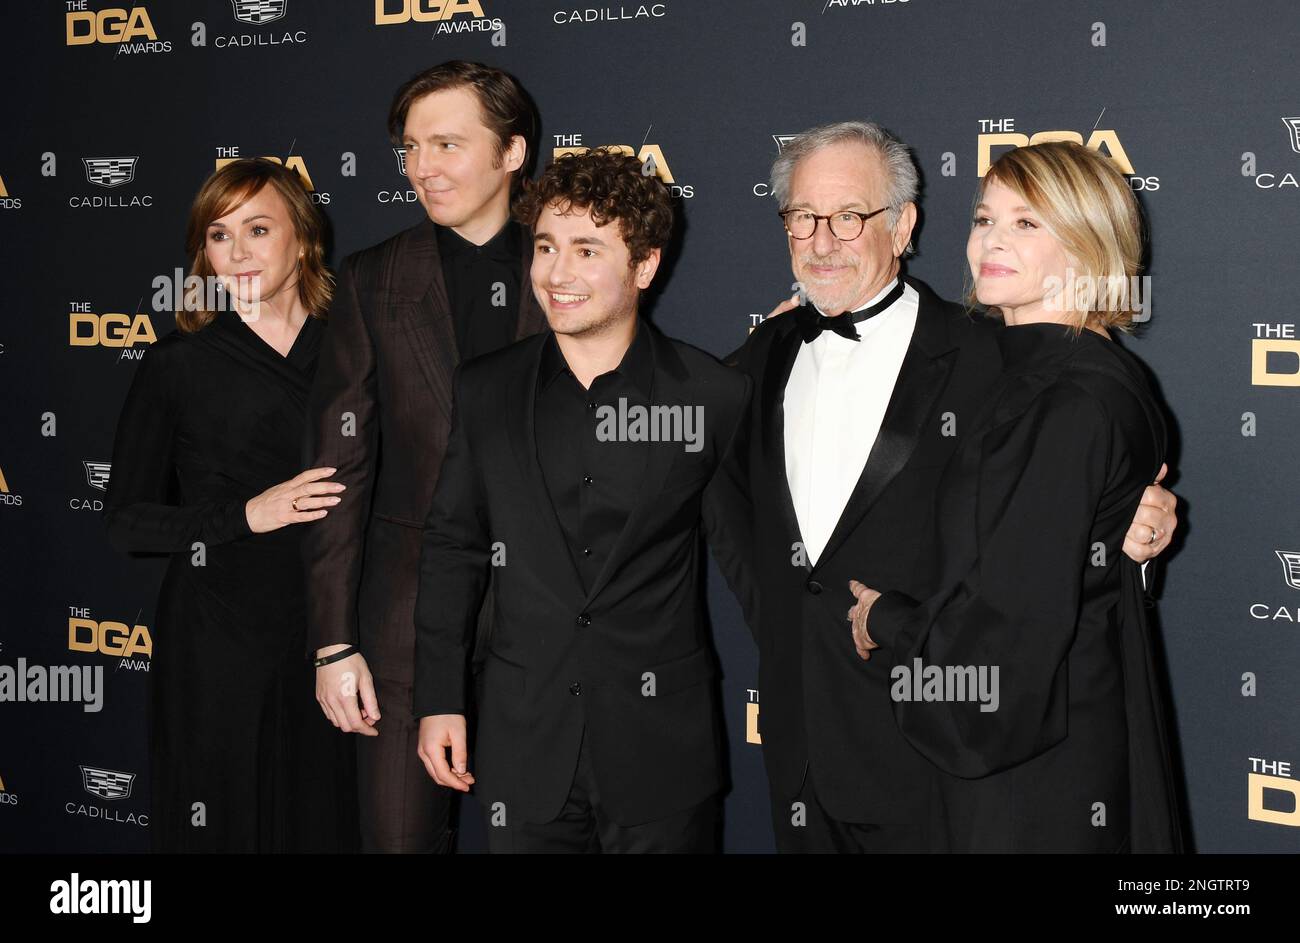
(629, 659)
(824, 711)
(380, 412)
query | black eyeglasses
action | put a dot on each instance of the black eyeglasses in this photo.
(846, 225)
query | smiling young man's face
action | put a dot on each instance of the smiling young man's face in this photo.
(581, 272)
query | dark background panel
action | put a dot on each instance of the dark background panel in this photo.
(1195, 92)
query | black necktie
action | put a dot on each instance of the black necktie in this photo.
(811, 324)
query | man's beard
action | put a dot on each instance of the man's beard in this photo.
(832, 298)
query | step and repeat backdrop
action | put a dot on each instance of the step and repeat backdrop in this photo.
(115, 113)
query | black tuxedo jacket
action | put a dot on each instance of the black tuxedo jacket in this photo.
(823, 711)
(380, 412)
(628, 659)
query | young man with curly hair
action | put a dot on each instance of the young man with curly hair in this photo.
(579, 465)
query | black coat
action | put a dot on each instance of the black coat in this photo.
(822, 709)
(1033, 511)
(214, 418)
(563, 659)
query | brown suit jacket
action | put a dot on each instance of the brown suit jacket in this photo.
(380, 412)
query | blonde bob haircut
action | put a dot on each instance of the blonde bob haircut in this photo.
(1088, 206)
(232, 186)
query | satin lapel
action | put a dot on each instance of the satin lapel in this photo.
(776, 373)
(922, 377)
(521, 430)
(416, 272)
(666, 390)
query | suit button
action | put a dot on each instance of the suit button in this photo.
(586, 479)
(586, 551)
(575, 689)
(583, 620)
(814, 587)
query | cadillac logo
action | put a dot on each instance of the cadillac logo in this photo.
(97, 474)
(258, 12)
(106, 783)
(1293, 125)
(109, 171)
(1290, 567)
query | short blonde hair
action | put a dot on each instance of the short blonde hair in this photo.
(231, 186)
(1089, 207)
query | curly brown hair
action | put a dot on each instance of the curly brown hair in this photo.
(611, 185)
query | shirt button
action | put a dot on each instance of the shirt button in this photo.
(591, 404)
(586, 479)
(814, 587)
(586, 551)
(583, 620)
(575, 689)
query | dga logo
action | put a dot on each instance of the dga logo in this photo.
(109, 638)
(8, 202)
(294, 162)
(396, 12)
(651, 157)
(1293, 125)
(109, 171)
(106, 783)
(1291, 576)
(122, 331)
(1272, 776)
(1274, 355)
(130, 30)
(97, 474)
(258, 12)
(6, 497)
(1000, 132)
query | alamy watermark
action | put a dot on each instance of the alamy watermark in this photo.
(1085, 293)
(659, 423)
(82, 684)
(946, 683)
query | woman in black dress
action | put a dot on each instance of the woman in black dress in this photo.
(1028, 680)
(206, 468)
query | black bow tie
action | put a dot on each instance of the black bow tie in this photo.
(811, 324)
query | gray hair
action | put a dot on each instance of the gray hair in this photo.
(903, 179)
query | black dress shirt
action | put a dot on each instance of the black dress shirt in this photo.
(593, 484)
(472, 274)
